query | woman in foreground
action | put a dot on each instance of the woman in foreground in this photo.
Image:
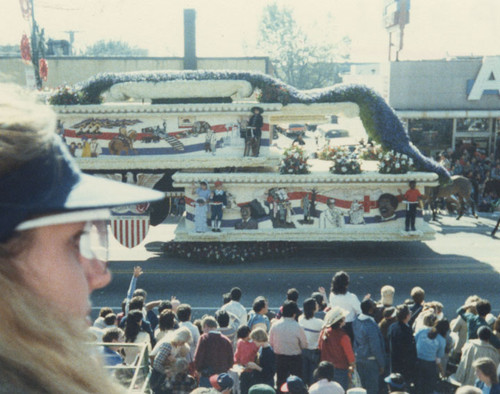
(53, 254)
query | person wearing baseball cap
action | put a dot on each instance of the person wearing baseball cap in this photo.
(395, 383)
(53, 252)
(294, 385)
(222, 382)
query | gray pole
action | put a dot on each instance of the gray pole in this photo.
(35, 51)
(190, 62)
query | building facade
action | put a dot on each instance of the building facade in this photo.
(444, 103)
(68, 70)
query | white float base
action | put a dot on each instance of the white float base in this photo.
(392, 232)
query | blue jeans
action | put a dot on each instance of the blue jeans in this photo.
(368, 373)
(310, 361)
(341, 376)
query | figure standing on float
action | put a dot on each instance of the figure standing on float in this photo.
(218, 201)
(255, 126)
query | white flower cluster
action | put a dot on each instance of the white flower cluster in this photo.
(345, 162)
(394, 163)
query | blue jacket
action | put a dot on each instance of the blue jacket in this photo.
(368, 340)
(495, 389)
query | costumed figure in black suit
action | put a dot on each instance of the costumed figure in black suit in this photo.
(254, 132)
(218, 201)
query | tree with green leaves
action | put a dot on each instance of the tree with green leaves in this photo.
(296, 58)
(113, 48)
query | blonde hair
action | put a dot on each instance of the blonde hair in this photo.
(387, 294)
(26, 127)
(41, 348)
(429, 318)
(487, 366)
(417, 294)
(180, 336)
(259, 335)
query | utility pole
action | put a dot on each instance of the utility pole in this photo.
(37, 46)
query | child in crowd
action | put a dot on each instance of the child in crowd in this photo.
(265, 367)
(246, 352)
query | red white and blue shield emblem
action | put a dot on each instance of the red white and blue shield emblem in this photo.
(131, 228)
(130, 231)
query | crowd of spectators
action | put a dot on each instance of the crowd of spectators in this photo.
(334, 344)
(473, 163)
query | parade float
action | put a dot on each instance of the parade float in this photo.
(175, 131)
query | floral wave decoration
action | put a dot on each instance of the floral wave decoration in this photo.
(379, 119)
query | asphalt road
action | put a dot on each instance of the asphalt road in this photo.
(462, 260)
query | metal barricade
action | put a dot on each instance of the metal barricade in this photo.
(134, 377)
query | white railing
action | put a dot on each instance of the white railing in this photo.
(134, 377)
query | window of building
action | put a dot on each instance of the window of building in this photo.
(472, 125)
(431, 135)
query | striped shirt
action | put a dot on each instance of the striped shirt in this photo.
(312, 328)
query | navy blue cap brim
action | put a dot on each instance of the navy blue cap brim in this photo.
(52, 183)
(96, 192)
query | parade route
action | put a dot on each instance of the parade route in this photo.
(459, 262)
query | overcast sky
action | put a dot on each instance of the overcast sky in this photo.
(437, 29)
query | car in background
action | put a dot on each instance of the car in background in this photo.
(336, 133)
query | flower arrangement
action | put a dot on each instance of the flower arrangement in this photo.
(394, 163)
(65, 95)
(328, 152)
(370, 152)
(345, 162)
(294, 161)
(229, 253)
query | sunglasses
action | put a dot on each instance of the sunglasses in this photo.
(94, 240)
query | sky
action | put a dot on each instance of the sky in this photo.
(437, 28)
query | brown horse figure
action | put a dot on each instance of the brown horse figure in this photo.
(123, 142)
(460, 187)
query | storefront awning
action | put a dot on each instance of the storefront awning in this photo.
(447, 114)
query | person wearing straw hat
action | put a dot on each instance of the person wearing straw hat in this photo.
(335, 346)
(53, 252)
(255, 124)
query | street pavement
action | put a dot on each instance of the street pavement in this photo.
(462, 260)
